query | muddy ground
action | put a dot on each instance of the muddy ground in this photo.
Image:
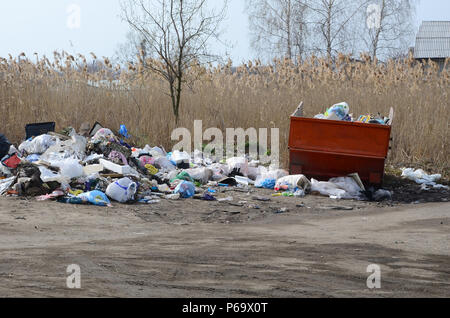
(285, 247)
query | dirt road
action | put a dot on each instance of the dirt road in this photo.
(313, 248)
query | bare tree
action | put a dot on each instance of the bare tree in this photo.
(388, 27)
(333, 22)
(278, 27)
(132, 49)
(177, 33)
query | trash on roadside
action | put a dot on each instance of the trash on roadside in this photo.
(338, 188)
(95, 197)
(421, 177)
(100, 168)
(122, 190)
(186, 189)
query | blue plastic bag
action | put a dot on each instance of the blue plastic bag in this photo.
(96, 198)
(186, 189)
(266, 184)
(123, 131)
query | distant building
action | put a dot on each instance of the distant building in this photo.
(433, 42)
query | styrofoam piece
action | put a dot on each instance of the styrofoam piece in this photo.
(123, 170)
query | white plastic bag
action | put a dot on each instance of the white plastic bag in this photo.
(327, 189)
(122, 190)
(420, 177)
(5, 171)
(38, 145)
(164, 164)
(202, 175)
(337, 188)
(349, 185)
(70, 169)
(155, 151)
(5, 184)
(238, 163)
(265, 174)
(48, 175)
(73, 148)
(295, 181)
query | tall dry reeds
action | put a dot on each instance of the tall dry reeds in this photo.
(70, 90)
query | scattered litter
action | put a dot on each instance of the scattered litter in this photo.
(186, 189)
(282, 210)
(337, 208)
(122, 190)
(421, 177)
(262, 199)
(5, 184)
(382, 195)
(95, 197)
(71, 168)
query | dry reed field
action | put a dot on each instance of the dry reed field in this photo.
(67, 90)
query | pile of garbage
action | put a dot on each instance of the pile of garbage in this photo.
(341, 112)
(101, 167)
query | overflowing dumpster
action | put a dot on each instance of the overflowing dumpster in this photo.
(324, 149)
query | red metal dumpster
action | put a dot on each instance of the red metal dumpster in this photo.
(323, 149)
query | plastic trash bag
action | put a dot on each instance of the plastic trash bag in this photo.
(338, 188)
(70, 169)
(268, 183)
(95, 197)
(349, 185)
(103, 133)
(238, 164)
(4, 146)
(5, 184)
(5, 171)
(48, 175)
(123, 131)
(269, 174)
(186, 189)
(33, 158)
(122, 190)
(338, 111)
(327, 189)
(163, 163)
(11, 161)
(38, 145)
(420, 177)
(202, 175)
(294, 181)
(73, 148)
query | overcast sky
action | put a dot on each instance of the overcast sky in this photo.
(42, 26)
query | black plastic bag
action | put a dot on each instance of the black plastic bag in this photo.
(4, 146)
